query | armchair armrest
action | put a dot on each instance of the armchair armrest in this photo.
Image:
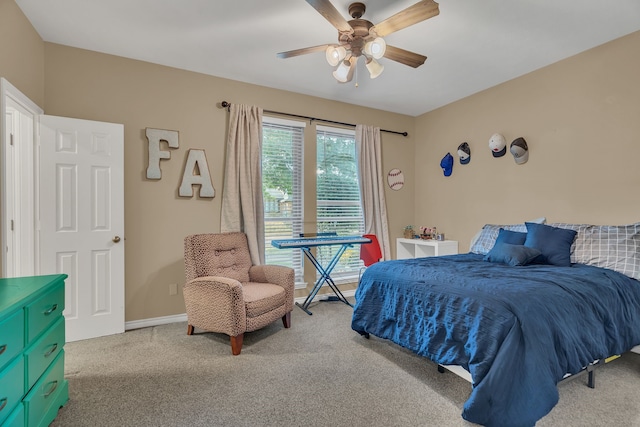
(225, 284)
(276, 274)
(216, 304)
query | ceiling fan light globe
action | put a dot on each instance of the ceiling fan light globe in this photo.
(375, 68)
(375, 48)
(341, 73)
(335, 54)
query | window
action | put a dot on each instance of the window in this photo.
(282, 155)
(338, 197)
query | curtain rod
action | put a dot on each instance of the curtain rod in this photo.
(227, 105)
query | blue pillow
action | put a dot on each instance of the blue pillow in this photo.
(511, 237)
(554, 243)
(514, 255)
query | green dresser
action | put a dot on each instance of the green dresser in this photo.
(32, 384)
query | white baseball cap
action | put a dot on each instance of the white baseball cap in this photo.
(498, 145)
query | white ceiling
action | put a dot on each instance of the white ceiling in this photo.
(471, 46)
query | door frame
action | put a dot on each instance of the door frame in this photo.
(7, 90)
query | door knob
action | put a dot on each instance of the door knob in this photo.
(116, 239)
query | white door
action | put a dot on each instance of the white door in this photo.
(81, 196)
(19, 199)
(18, 188)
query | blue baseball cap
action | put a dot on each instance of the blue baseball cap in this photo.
(447, 164)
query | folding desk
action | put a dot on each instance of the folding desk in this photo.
(306, 243)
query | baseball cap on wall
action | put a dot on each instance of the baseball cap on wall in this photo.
(464, 152)
(520, 150)
(498, 145)
(447, 164)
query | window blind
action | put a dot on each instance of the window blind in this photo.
(338, 196)
(282, 188)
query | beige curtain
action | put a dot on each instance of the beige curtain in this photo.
(242, 205)
(369, 156)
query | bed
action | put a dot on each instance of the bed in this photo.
(517, 324)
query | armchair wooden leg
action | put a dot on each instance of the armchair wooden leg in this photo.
(189, 329)
(286, 320)
(236, 344)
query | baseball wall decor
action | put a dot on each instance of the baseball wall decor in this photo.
(395, 179)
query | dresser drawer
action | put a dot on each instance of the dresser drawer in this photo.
(11, 337)
(11, 387)
(42, 352)
(16, 419)
(46, 392)
(44, 311)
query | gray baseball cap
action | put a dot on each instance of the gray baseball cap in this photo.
(519, 150)
(464, 152)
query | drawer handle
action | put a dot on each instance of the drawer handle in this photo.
(3, 403)
(3, 347)
(52, 350)
(54, 386)
(51, 310)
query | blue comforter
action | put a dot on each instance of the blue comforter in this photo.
(517, 330)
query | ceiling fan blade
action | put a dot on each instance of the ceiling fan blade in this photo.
(302, 51)
(420, 11)
(404, 56)
(331, 14)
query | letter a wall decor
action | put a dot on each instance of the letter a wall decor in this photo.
(196, 161)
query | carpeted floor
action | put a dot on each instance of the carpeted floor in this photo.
(318, 373)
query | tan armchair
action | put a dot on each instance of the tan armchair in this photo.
(225, 293)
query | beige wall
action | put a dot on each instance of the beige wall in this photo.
(90, 85)
(579, 116)
(21, 55)
(21, 52)
(581, 120)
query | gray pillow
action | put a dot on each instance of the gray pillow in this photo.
(579, 228)
(489, 234)
(616, 247)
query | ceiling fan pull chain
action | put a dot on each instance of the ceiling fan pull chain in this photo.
(356, 75)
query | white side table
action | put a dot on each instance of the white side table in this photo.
(418, 248)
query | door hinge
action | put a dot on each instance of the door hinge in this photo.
(10, 139)
(11, 225)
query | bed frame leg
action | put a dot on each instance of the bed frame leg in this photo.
(441, 369)
(591, 381)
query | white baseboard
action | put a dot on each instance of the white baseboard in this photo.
(157, 321)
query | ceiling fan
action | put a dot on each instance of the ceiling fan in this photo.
(359, 37)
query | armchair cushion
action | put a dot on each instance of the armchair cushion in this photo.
(278, 275)
(260, 298)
